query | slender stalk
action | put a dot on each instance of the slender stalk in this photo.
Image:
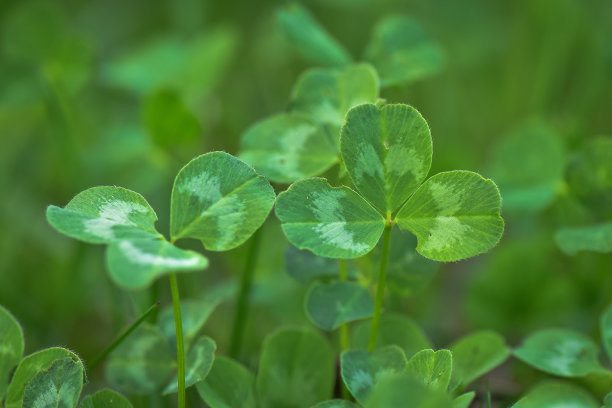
(180, 348)
(380, 290)
(242, 302)
(344, 332)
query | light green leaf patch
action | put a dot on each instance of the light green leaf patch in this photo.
(296, 369)
(477, 354)
(606, 330)
(336, 403)
(304, 266)
(288, 147)
(557, 394)
(194, 314)
(104, 215)
(464, 400)
(328, 306)
(560, 352)
(596, 238)
(199, 361)
(59, 386)
(309, 38)
(11, 347)
(433, 368)
(331, 222)
(387, 153)
(34, 367)
(362, 370)
(219, 200)
(402, 390)
(136, 264)
(402, 52)
(228, 385)
(106, 399)
(455, 215)
(143, 363)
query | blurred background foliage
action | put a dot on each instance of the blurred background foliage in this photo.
(125, 93)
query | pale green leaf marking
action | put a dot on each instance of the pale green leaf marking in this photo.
(403, 390)
(104, 215)
(560, 352)
(336, 403)
(464, 400)
(596, 238)
(606, 330)
(362, 370)
(194, 315)
(59, 386)
(557, 394)
(228, 385)
(143, 363)
(296, 369)
(331, 222)
(433, 368)
(288, 147)
(309, 38)
(106, 399)
(136, 264)
(475, 355)
(30, 367)
(219, 200)
(11, 347)
(328, 306)
(455, 215)
(199, 362)
(387, 153)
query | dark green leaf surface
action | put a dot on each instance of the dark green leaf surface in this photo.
(199, 361)
(393, 330)
(455, 215)
(305, 267)
(106, 399)
(57, 387)
(219, 200)
(433, 368)
(104, 215)
(555, 394)
(296, 369)
(328, 306)
(228, 385)
(337, 403)
(596, 238)
(560, 352)
(362, 370)
(405, 391)
(387, 153)
(331, 222)
(194, 314)
(11, 347)
(606, 330)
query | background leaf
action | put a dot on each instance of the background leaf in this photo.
(199, 361)
(106, 399)
(331, 222)
(552, 394)
(433, 368)
(194, 314)
(337, 403)
(219, 200)
(229, 384)
(455, 215)
(305, 267)
(394, 329)
(405, 391)
(596, 238)
(464, 400)
(606, 330)
(58, 386)
(11, 347)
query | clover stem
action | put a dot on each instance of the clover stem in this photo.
(344, 333)
(380, 290)
(242, 301)
(180, 348)
(100, 357)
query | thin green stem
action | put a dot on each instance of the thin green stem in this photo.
(344, 332)
(100, 357)
(180, 348)
(380, 290)
(242, 302)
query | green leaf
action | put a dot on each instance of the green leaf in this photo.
(228, 385)
(194, 314)
(401, 51)
(39, 362)
(143, 363)
(393, 330)
(328, 306)
(477, 354)
(405, 391)
(464, 400)
(104, 215)
(455, 215)
(555, 394)
(362, 370)
(596, 238)
(606, 330)
(304, 266)
(560, 352)
(288, 147)
(11, 347)
(136, 264)
(334, 222)
(199, 362)
(168, 120)
(531, 183)
(387, 152)
(309, 38)
(59, 386)
(336, 403)
(608, 400)
(219, 200)
(106, 399)
(296, 369)
(433, 368)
